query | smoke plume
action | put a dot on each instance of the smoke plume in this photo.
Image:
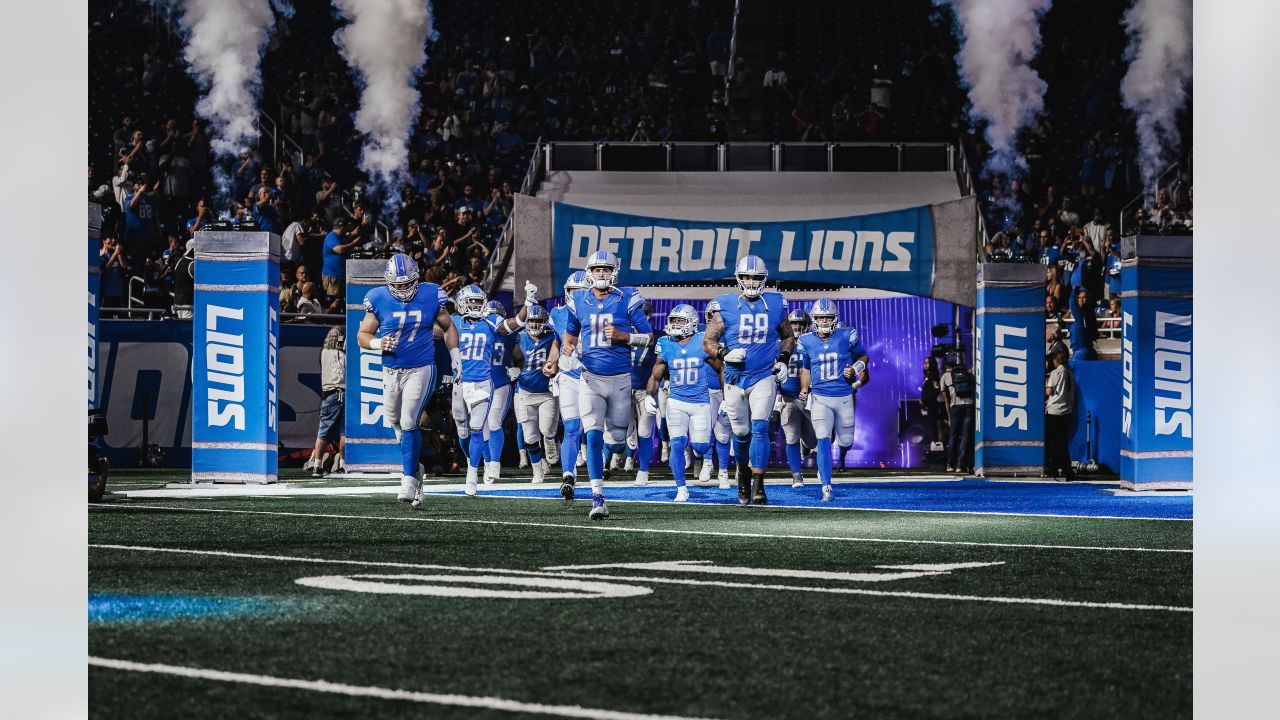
(1155, 87)
(998, 39)
(385, 44)
(224, 45)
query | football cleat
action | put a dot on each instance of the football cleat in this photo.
(724, 479)
(471, 489)
(566, 486)
(826, 493)
(599, 510)
(682, 494)
(757, 489)
(704, 473)
(629, 465)
(492, 471)
(417, 499)
(797, 480)
(642, 477)
(666, 452)
(524, 459)
(539, 472)
(408, 488)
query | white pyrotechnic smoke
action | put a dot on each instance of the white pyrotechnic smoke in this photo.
(224, 45)
(998, 40)
(1155, 87)
(386, 44)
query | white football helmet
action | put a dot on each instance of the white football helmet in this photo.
(682, 321)
(577, 281)
(825, 316)
(602, 259)
(471, 302)
(536, 322)
(401, 275)
(751, 274)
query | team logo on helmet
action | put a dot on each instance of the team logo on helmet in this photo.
(493, 307)
(825, 316)
(682, 321)
(470, 301)
(401, 275)
(712, 310)
(751, 273)
(536, 322)
(602, 259)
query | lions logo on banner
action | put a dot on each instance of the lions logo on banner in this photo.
(891, 251)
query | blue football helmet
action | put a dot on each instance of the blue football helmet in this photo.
(751, 273)
(470, 301)
(401, 275)
(682, 321)
(603, 259)
(536, 322)
(825, 316)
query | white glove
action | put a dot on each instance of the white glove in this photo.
(513, 373)
(554, 386)
(569, 363)
(530, 294)
(777, 403)
(736, 355)
(780, 371)
(455, 362)
(387, 343)
(650, 405)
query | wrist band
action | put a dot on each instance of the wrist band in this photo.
(375, 344)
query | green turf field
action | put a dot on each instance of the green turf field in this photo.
(793, 613)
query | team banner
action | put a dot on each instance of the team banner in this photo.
(236, 336)
(95, 245)
(1009, 367)
(371, 444)
(145, 380)
(1156, 419)
(891, 251)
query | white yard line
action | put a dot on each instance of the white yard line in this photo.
(617, 528)
(366, 691)
(664, 580)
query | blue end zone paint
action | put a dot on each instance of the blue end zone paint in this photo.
(972, 496)
(105, 608)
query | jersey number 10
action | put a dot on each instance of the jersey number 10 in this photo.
(598, 325)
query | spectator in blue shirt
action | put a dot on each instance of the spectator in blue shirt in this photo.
(265, 212)
(1113, 271)
(469, 200)
(336, 248)
(140, 214)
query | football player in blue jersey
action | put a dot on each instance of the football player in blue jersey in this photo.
(834, 365)
(565, 385)
(495, 437)
(398, 322)
(794, 417)
(682, 359)
(603, 323)
(474, 394)
(536, 409)
(720, 430)
(644, 418)
(756, 350)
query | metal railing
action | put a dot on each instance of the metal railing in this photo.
(504, 248)
(968, 186)
(758, 156)
(1174, 172)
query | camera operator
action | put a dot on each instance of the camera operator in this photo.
(932, 406)
(958, 386)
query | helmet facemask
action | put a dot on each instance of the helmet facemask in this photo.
(535, 327)
(824, 324)
(404, 291)
(751, 285)
(602, 277)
